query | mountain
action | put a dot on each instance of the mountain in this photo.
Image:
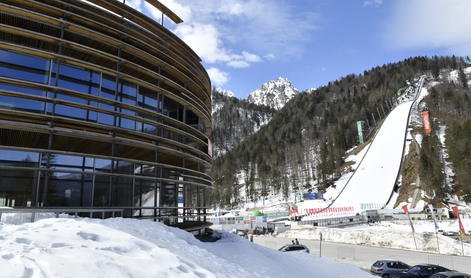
(274, 94)
(234, 120)
(304, 145)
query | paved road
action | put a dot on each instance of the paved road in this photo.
(365, 256)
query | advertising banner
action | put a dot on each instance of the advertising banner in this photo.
(426, 122)
(360, 132)
(462, 231)
(313, 196)
(246, 221)
(210, 148)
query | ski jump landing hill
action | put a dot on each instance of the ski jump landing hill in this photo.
(375, 177)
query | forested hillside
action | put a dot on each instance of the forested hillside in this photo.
(302, 148)
(234, 120)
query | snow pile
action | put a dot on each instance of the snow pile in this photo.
(396, 234)
(135, 248)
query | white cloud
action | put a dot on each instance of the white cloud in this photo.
(269, 56)
(238, 64)
(375, 2)
(135, 4)
(250, 57)
(218, 77)
(220, 29)
(430, 24)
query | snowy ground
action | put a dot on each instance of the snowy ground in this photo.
(137, 248)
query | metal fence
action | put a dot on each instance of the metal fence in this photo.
(21, 216)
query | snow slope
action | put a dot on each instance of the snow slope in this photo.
(374, 178)
(137, 248)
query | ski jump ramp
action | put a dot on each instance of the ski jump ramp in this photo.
(375, 177)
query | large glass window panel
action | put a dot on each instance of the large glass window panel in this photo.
(76, 163)
(85, 81)
(144, 193)
(23, 67)
(101, 194)
(106, 119)
(103, 165)
(127, 92)
(7, 102)
(170, 108)
(18, 187)
(123, 167)
(29, 105)
(19, 158)
(127, 123)
(68, 189)
(70, 112)
(121, 192)
(148, 99)
(7, 87)
(108, 87)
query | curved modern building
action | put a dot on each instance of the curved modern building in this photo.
(100, 106)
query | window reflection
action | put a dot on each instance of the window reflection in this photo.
(23, 67)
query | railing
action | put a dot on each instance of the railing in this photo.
(28, 215)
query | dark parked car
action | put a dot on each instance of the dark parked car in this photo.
(294, 248)
(421, 270)
(451, 274)
(385, 268)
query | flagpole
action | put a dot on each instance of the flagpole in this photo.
(462, 249)
(415, 241)
(436, 233)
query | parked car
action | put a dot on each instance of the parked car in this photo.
(421, 270)
(451, 274)
(440, 231)
(385, 268)
(294, 248)
(450, 233)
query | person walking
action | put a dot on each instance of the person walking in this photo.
(292, 241)
(296, 240)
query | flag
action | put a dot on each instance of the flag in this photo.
(462, 231)
(407, 213)
(433, 216)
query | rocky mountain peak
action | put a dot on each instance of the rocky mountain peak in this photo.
(274, 93)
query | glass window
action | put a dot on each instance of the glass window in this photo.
(81, 80)
(126, 123)
(121, 192)
(108, 87)
(103, 165)
(69, 189)
(127, 92)
(101, 194)
(71, 112)
(123, 167)
(148, 99)
(19, 158)
(29, 105)
(23, 67)
(18, 187)
(7, 102)
(106, 119)
(144, 193)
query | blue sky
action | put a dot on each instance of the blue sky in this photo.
(245, 43)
